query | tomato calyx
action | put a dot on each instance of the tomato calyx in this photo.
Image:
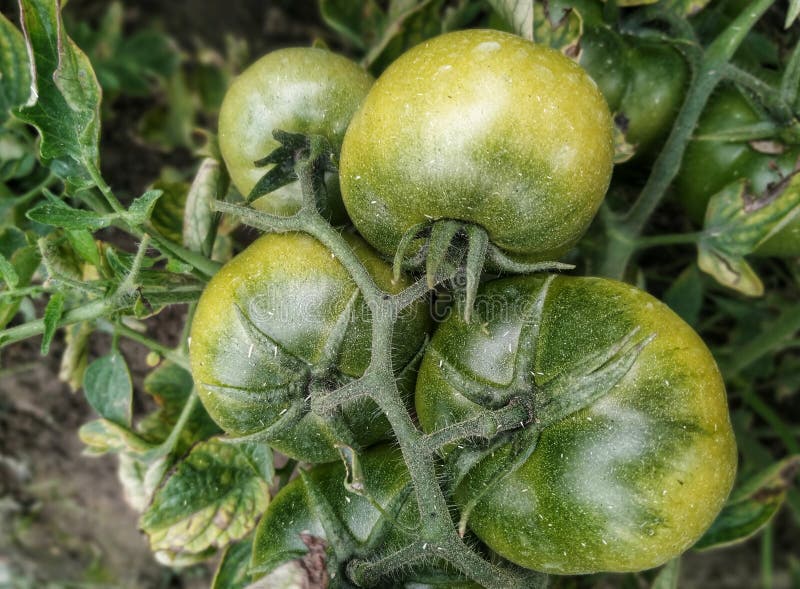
(477, 469)
(458, 251)
(295, 149)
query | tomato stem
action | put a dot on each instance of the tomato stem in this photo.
(767, 95)
(487, 424)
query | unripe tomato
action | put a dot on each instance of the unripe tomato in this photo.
(298, 90)
(484, 127)
(625, 484)
(710, 165)
(644, 82)
(278, 320)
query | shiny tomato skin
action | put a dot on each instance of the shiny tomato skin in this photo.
(644, 82)
(709, 166)
(263, 328)
(625, 484)
(298, 90)
(485, 127)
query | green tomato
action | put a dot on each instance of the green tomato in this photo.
(299, 90)
(280, 319)
(644, 82)
(624, 484)
(708, 166)
(298, 513)
(484, 127)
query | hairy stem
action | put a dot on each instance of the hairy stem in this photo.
(367, 573)
(87, 312)
(488, 424)
(766, 94)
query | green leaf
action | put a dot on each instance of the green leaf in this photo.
(668, 576)
(737, 223)
(52, 315)
(102, 436)
(15, 73)
(167, 216)
(792, 13)
(108, 388)
(11, 239)
(140, 476)
(232, 572)
(129, 64)
(140, 210)
(558, 27)
(75, 358)
(17, 160)
(518, 14)
(8, 272)
(356, 20)
(200, 220)
(65, 106)
(170, 386)
(25, 260)
(170, 125)
(57, 213)
(59, 259)
(752, 505)
(214, 497)
(84, 245)
(383, 34)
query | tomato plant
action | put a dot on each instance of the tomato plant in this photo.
(281, 319)
(712, 161)
(494, 130)
(297, 90)
(562, 425)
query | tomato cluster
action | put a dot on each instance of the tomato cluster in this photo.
(490, 130)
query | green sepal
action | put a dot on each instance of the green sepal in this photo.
(439, 246)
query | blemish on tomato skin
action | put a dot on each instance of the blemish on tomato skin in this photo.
(488, 47)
